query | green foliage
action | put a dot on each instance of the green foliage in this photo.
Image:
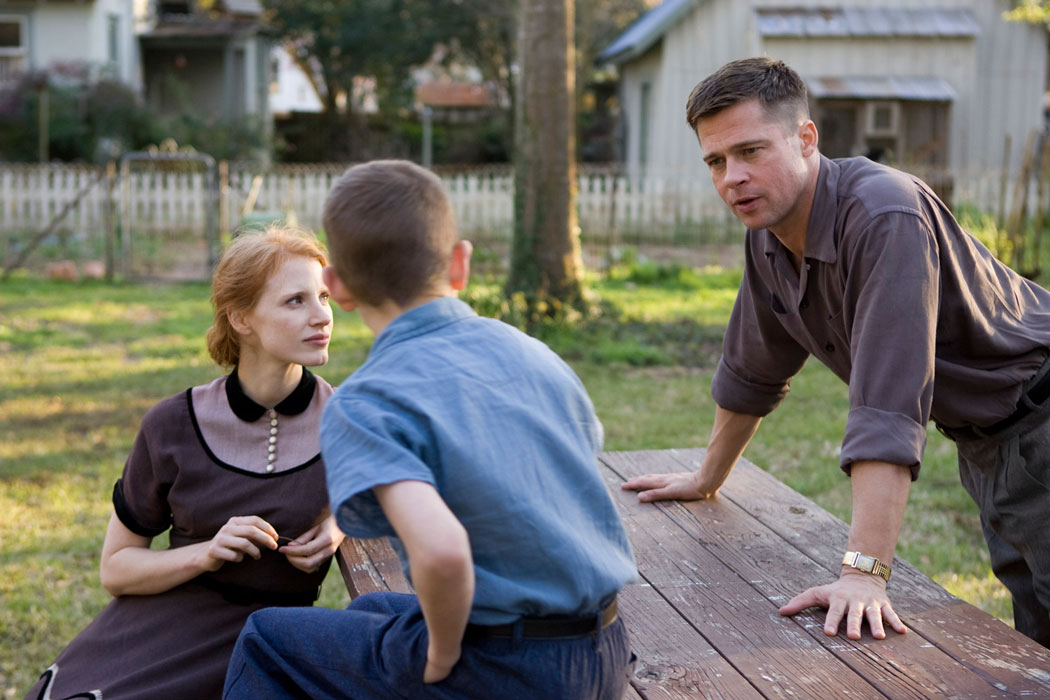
(222, 139)
(84, 123)
(984, 228)
(1031, 11)
(95, 122)
(383, 39)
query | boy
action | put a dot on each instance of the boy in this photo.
(473, 447)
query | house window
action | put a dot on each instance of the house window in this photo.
(113, 40)
(643, 124)
(12, 46)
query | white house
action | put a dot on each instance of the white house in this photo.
(290, 88)
(939, 83)
(36, 35)
(212, 56)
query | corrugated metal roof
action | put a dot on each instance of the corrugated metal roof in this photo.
(882, 88)
(645, 31)
(251, 8)
(867, 22)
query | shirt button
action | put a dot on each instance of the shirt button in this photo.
(830, 347)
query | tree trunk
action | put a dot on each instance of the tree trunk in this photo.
(545, 258)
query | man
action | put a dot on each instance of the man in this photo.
(863, 267)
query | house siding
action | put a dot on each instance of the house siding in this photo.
(999, 75)
(79, 33)
(954, 60)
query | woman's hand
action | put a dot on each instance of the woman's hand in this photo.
(241, 535)
(312, 548)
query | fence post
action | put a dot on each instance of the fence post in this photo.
(224, 198)
(110, 218)
(1004, 180)
(1015, 226)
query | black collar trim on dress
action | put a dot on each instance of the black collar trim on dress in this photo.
(292, 405)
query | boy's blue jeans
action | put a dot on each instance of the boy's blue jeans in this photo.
(376, 650)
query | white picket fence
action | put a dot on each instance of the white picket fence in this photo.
(156, 207)
(155, 200)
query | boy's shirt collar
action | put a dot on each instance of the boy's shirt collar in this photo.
(422, 319)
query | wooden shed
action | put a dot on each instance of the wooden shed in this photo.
(933, 84)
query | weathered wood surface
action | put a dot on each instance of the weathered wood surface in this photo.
(712, 575)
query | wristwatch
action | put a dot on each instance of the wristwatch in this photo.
(869, 565)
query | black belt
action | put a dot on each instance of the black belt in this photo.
(550, 627)
(1038, 393)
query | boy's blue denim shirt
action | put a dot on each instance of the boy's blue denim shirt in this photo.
(506, 433)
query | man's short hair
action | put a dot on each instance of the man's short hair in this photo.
(777, 87)
(390, 230)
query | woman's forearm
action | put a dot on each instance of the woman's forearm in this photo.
(130, 567)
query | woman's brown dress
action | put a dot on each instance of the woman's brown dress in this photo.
(183, 474)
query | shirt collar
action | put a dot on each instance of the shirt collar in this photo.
(423, 319)
(292, 405)
(820, 232)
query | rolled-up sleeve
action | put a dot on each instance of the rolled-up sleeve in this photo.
(891, 301)
(364, 445)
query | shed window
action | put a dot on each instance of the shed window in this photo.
(174, 8)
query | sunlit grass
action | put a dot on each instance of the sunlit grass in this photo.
(81, 363)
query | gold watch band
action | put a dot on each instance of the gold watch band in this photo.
(869, 565)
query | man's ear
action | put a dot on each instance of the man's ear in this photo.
(459, 266)
(807, 134)
(337, 290)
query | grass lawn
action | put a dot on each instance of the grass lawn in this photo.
(81, 362)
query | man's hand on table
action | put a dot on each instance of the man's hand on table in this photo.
(855, 595)
(676, 486)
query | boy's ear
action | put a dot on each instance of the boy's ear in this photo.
(459, 266)
(337, 290)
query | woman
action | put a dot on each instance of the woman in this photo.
(233, 469)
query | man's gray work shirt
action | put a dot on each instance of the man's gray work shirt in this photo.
(917, 316)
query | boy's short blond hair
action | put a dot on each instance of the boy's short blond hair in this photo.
(390, 230)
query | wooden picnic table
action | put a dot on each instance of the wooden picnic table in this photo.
(712, 574)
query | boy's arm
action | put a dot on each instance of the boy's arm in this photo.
(442, 567)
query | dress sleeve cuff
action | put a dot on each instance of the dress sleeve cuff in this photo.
(120, 505)
(884, 436)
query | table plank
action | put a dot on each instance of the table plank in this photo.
(371, 566)
(978, 640)
(979, 655)
(674, 658)
(777, 658)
